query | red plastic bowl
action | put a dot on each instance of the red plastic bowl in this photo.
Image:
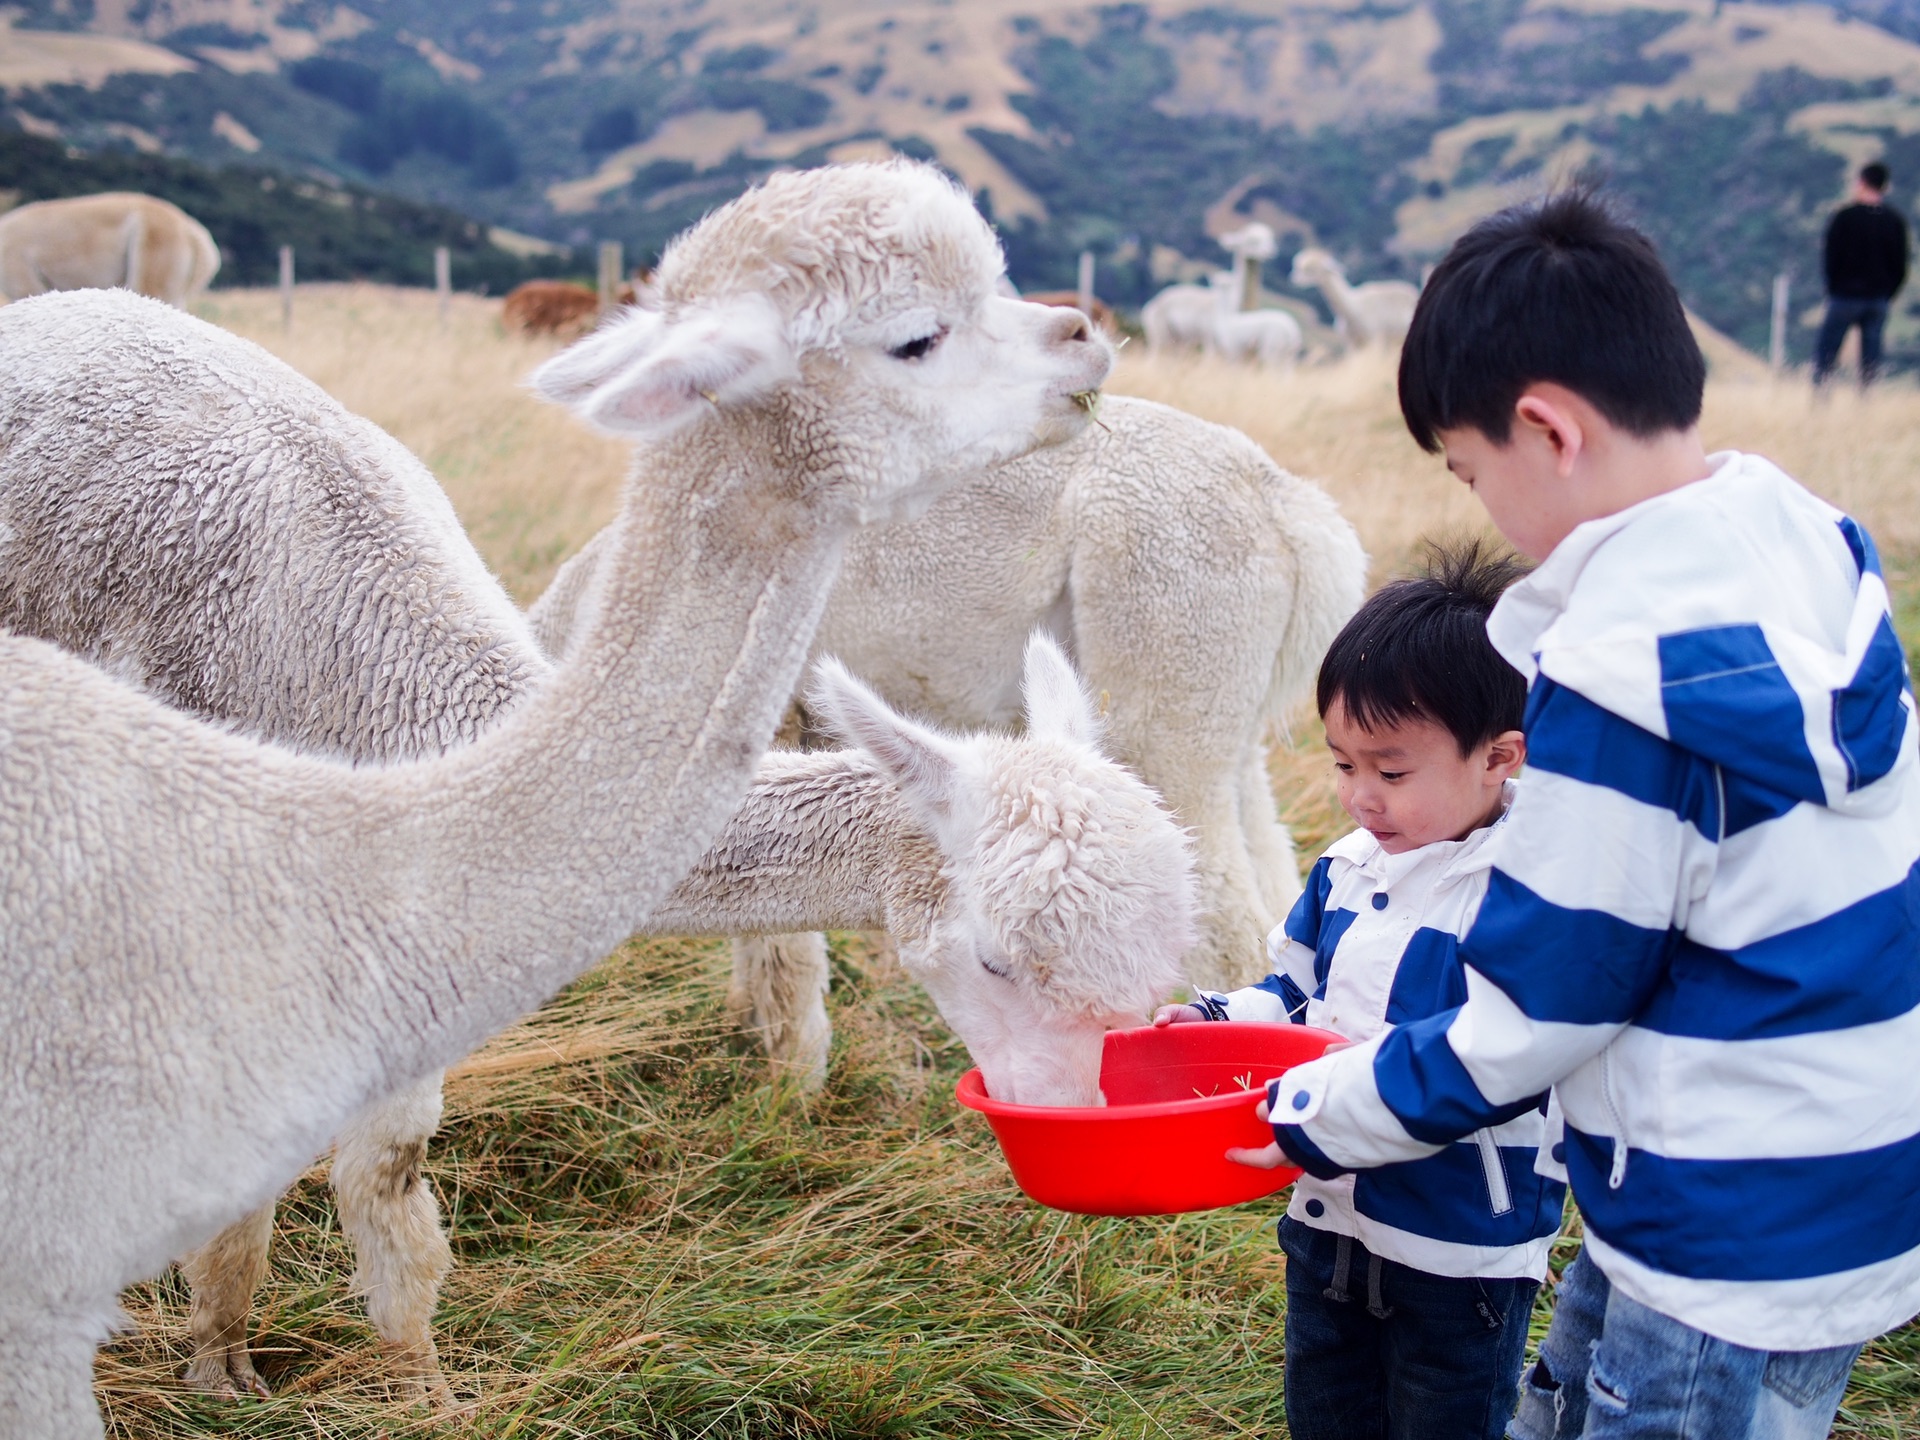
(1177, 1098)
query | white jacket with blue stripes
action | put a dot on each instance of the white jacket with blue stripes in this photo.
(1373, 942)
(1702, 923)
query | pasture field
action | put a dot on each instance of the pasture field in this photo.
(653, 1239)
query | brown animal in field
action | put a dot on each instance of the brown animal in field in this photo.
(116, 240)
(551, 307)
(1100, 312)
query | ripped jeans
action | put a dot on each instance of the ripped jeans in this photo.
(1611, 1369)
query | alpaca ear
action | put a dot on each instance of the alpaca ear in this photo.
(1057, 704)
(646, 375)
(920, 761)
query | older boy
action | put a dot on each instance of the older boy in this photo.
(1703, 920)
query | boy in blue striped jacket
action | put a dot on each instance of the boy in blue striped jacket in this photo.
(1702, 921)
(1408, 1286)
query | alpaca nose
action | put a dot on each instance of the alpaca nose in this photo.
(1069, 326)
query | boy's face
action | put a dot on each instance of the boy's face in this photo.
(1520, 483)
(1564, 463)
(1408, 785)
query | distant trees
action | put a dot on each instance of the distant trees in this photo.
(395, 121)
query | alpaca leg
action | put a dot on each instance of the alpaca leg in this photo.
(223, 1274)
(46, 1376)
(1233, 928)
(1276, 866)
(780, 994)
(388, 1211)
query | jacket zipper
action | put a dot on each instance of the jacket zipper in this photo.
(1618, 1174)
(1497, 1191)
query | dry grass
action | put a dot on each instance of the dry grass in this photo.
(655, 1241)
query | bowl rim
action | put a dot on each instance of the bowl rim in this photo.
(971, 1091)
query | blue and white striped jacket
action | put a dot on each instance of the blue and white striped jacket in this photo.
(1373, 942)
(1702, 923)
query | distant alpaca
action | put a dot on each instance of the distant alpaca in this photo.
(1180, 317)
(97, 242)
(1270, 338)
(248, 946)
(550, 307)
(1207, 317)
(1376, 313)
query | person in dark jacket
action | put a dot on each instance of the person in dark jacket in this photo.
(1866, 263)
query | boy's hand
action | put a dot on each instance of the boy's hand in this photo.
(1266, 1157)
(1177, 1015)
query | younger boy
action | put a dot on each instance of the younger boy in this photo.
(1702, 920)
(1409, 1286)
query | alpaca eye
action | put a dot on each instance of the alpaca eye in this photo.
(918, 349)
(994, 970)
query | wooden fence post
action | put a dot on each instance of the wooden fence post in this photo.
(1085, 297)
(1777, 332)
(611, 273)
(286, 287)
(442, 277)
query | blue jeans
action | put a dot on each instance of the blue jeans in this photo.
(1842, 316)
(1611, 1369)
(1377, 1350)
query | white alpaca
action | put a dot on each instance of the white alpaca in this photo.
(94, 242)
(215, 953)
(1375, 313)
(1269, 338)
(1180, 317)
(1038, 890)
(1196, 585)
(1207, 317)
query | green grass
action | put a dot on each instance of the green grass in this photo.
(654, 1240)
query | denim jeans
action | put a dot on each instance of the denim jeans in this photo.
(1611, 1369)
(1842, 316)
(1377, 1350)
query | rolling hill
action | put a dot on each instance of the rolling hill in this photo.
(1376, 127)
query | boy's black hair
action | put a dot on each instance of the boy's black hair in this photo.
(1875, 176)
(1418, 650)
(1560, 290)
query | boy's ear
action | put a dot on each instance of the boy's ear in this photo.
(1541, 410)
(1506, 753)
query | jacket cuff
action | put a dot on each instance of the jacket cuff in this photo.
(1303, 1152)
(1293, 1140)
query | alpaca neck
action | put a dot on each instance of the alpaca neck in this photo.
(562, 828)
(1343, 301)
(823, 841)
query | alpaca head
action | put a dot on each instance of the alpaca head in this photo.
(857, 307)
(1314, 266)
(1071, 895)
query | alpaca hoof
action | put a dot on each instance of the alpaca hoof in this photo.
(414, 1376)
(227, 1373)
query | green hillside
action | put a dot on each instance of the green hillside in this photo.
(1379, 128)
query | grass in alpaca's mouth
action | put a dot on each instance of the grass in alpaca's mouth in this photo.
(1089, 401)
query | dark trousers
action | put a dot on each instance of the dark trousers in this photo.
(1377, 1350)
(1842, 316)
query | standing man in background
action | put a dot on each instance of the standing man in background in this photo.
(1866, 263)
